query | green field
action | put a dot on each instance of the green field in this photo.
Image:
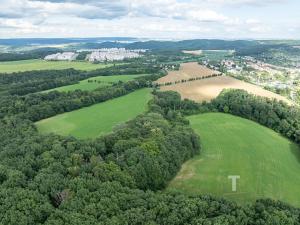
(96, 82)
(98, 119)
(38, 64)
(267, 163)
(216, 55)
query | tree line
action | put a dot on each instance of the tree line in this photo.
(39, 106)
(22, 83)
(277, 115)
(39, 53)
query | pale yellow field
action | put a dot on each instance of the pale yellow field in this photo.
(187, 71)
(193, 52)
(210, 88)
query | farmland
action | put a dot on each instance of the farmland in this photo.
(187, 71)
(267, 163)
(37, 64)
(98, 119)
(208, 89)
(193, 52)
(96, 82)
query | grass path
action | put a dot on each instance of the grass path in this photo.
(267, 163)
(99, 119)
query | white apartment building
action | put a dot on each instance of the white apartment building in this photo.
(65, 56)
(113, 54)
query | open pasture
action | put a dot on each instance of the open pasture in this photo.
(38, 64)
(93, 121)
(96, 82)
(267, 163)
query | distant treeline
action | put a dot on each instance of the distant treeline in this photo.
(22, 83)
(203, 44)
(264, 50)
(25, 55)
(242, 47)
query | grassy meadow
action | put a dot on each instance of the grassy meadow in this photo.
(267, 163)
(93, 121)
(95, 82)
(38, 64)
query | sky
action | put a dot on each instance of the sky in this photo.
(156, 19)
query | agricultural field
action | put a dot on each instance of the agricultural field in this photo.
(216, 55)
(187, 71)
(95, 82)
(210, 88)
(211, 55)
(38, 64)
(267, 163)
(93, 121)
(193, 52)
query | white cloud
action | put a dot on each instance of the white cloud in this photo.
(141, 18)
(247, 2)
(252, 21)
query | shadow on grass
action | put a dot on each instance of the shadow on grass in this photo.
(295, 150)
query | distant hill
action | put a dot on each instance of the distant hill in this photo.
(205, 44)
(32, 54)
(58, 41)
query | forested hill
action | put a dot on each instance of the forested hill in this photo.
(205, 44)
(241, 47)
(32, 54)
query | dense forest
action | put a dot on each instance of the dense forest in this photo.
(118, 178)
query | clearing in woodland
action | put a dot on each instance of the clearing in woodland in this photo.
(267, 163)
(93, 121)
(96, 82)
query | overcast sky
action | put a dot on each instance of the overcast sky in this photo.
(175, 19)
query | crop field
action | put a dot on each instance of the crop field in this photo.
(93, 121)
(211, 55)
(210, 88)
(187, 71)
(267, 163)
(193, 52)
(96, 82)
(38, 64)
(216, 55)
